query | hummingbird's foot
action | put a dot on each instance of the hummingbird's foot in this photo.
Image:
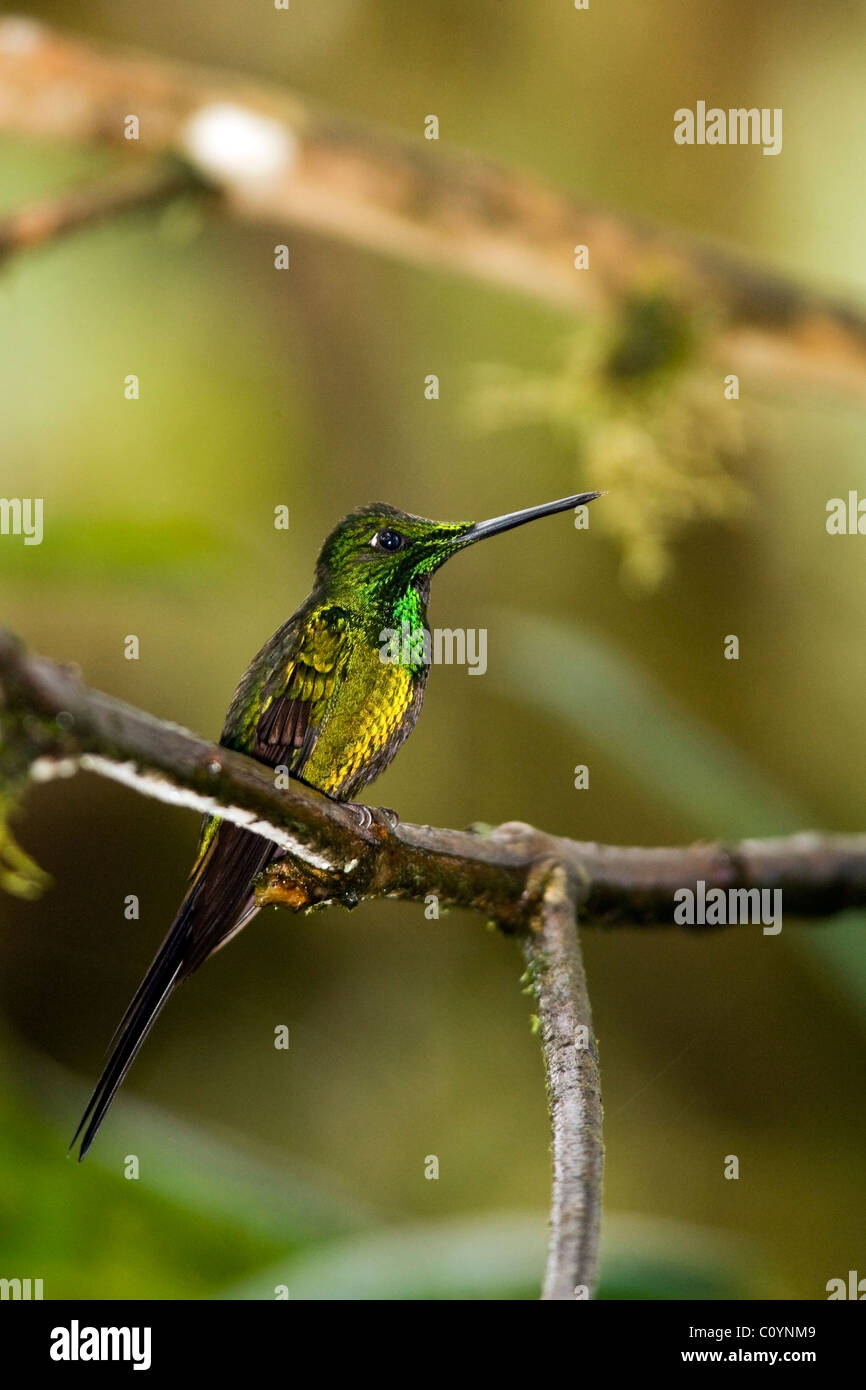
(362, 814)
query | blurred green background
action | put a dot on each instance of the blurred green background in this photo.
(409, 1037)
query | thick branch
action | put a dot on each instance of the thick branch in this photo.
(556, 977)
(277, 159)
(52, 724)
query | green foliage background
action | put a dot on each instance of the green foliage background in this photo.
(411, 1038)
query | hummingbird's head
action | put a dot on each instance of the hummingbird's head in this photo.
(378, 553)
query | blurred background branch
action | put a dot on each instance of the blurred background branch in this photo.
(277, 159)
(125, 191)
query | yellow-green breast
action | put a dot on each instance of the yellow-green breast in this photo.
(373, 710)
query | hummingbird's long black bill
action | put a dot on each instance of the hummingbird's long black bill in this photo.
(482, 529)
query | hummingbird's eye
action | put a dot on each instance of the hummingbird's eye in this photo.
(388, 540)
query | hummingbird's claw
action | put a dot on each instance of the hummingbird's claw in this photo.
(362, 814)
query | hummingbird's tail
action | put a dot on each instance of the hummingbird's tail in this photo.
(218, 903)
(146, 1005)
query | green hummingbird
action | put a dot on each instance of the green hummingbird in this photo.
(322, 701)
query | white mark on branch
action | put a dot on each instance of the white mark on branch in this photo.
(47, 769)
(19, 37)
(164, 790)
(234, 145)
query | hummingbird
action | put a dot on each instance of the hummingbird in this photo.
(321, 701)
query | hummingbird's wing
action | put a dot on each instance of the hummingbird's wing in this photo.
(296, 700)
(284, 703)
(285, 726)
